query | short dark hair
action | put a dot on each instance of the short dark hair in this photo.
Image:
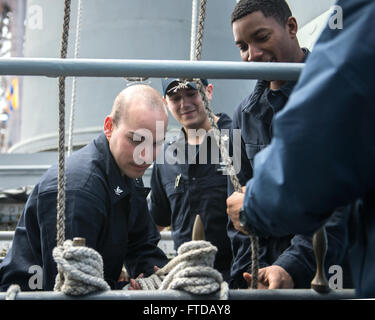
(277, 9)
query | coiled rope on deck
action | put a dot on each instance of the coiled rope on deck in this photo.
(81, 269)
(191, 271)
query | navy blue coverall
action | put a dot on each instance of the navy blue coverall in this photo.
(106, 208)
(180, 191)
(323, 152)
(293, 253)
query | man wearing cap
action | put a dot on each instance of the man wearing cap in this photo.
(187, 179)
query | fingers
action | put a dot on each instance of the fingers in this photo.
(272, 277)
(234, 205)
(248, 278)
(156, 268)
(262, 282)
(134, 285)
(275, 285)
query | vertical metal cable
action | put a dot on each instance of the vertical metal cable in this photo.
(194, 22)
(74, 80)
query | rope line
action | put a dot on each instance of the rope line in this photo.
(200, 33)
(61, 146)
(254, 241)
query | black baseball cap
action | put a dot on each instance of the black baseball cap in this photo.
(170, 83)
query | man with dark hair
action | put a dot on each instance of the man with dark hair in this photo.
(277, 9)
(266, 31)
(190, 180)
(105, 200)
(323, 153)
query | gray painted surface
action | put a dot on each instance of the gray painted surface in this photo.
(307, 10)
(18, 170)
(118, 29)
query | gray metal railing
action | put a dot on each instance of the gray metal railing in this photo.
(9, 235)
(52, 67)
(6, 235)
(279, 294)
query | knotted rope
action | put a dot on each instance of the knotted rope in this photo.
(12, 292)
(191, 271)
(254, 241)
(81, 270)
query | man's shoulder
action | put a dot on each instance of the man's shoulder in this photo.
(243, 108)
(84, 171)
(257, 92)
(225, 122)
(169, 149)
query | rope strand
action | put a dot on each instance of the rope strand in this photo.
(223, 150)
(61, 147)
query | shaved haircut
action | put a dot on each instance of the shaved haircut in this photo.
(133, 96)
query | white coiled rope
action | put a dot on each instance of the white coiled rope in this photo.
(81, 270)
(191, 271)
(12, 292)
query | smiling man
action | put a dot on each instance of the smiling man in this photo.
(191, 179)
(105, 200)
(266, 31)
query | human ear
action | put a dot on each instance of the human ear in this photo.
(169, 107)
(209, 91)
(292, 26)
(108, 126)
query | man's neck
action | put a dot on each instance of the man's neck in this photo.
(277, 84)
(200, 133)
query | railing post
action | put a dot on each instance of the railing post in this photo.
(320, 283)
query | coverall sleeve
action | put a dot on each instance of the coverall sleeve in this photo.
(323, 152)
(35, 234)
(143, 251)
(299, 259)
(240, 243)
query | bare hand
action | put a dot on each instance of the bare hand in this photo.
(272, 277)
(234, 206)
(134, 285)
